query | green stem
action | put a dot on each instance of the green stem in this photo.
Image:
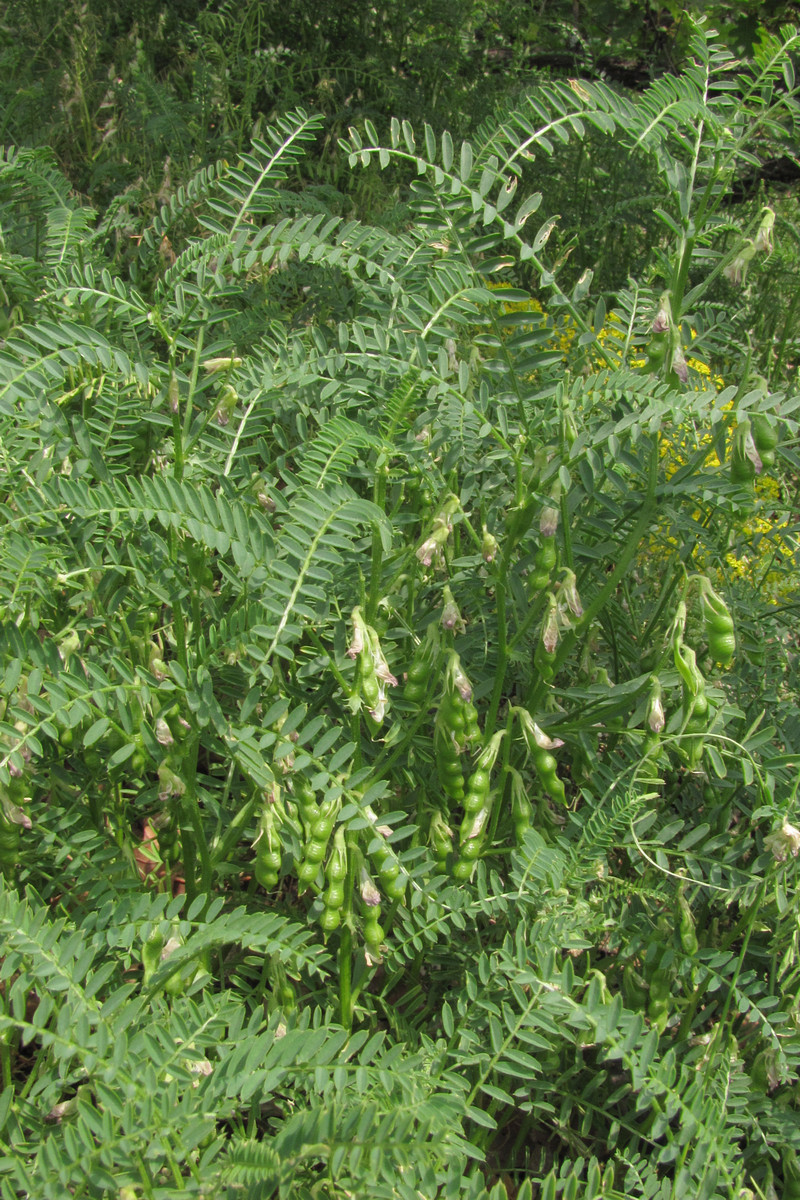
(502, 652)
(345, 971)
(566, 532)
(379, 499)
(187, 413)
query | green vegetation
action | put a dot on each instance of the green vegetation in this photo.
(400, 573)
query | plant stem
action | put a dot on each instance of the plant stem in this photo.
(502, 653)
(346, 968)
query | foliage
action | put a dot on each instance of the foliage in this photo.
(385, 805)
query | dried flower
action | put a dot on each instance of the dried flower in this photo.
(378, 660)
(763, 242)
(784, 841)
(489, 546)
(679, 364)
(656, 718)
(431, 549)
(460, 680)
(569, 590)
(663, 318)
(163, 733)
(548, 522)
(736, 271)
(369, 893)
(550, 633)
(451, 617)
(212, 365)
(360, 635)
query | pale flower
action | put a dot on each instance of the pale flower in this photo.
(784, 841)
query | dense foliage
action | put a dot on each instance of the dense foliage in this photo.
(398, 655)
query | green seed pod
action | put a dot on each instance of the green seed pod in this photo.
(268, 848)
(765, 435)
(333, 896)
(722, 647)
(336, 870)
(718, 625)
(545, 557)
(374, 936)
(687, 668)
(330, 919)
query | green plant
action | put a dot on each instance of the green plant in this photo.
(245, 492)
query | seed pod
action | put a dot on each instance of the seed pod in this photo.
(687, 668)
(151, 954)
(521, 807)
(718, 624)
(765, 438)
